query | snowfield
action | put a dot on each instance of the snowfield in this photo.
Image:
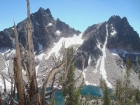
(88, 83)
(102, 66)
(68, 42)
(122, 52)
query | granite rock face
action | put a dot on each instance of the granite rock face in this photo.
(106, 46)
(45, 31)
(124, 35)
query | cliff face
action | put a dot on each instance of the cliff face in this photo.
(45, 31)
(122, 35)
(106, 46)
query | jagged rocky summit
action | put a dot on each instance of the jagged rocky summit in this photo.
(106, 47)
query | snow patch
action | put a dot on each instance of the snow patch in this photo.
(40, 56)
(98, 62)
(123, 52)
(8, 84)
(40, 46)
(5, 70)
(11, 52)
(102, 66)
(50, 24)
(98, 44)
(88, 83)
(58, 33)
(89, 60)
(36, 68)
(73, 40)
(113, 33)
(114, 54)
(3, 51)
(84, 75)
(68, 42)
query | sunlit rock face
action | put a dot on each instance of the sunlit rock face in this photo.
(105, 46)
(45, 31)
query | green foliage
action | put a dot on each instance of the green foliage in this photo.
(101, 82)
(106, 97)
(128, 67)
(125, 92)
(139, 76)
(71, 93)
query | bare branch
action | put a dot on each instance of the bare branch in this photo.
(53, 90)
(48, 79)
(83, 64)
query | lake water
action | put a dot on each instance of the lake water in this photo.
(94, 91)
(86, 90)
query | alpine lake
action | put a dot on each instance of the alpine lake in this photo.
(93, 91)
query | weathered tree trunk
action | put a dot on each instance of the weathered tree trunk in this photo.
(18, 71)
(48, 79)
(33, 87)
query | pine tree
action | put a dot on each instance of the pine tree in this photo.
(125, 93)
(71, 93)
(119, 90)
(106, 97)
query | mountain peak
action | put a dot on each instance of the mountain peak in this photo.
(114, 18)
(125, 21)
(48, 11)
(41, 9)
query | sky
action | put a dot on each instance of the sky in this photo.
(79, 14)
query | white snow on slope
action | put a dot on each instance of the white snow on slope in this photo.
(102, 66)
(7, 51)
(122, 52)
(11, 52)
(113, 32)
(58, 33)
(98, 45)
(3, 51)
(7, 65)
(88, 83)
(40, 46)
(5, 71)
(89, 60)
(8, 84)
(98, 62)
(50, 24)
(84, 74)
(68, 42)
(36, 68)
(40, 56)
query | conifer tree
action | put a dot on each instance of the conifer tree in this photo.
(71, 93)
(106, 97)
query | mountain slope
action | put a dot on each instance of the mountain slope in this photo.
(45, 31)
(106, 47)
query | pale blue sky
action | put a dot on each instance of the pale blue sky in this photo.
(79, 14)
